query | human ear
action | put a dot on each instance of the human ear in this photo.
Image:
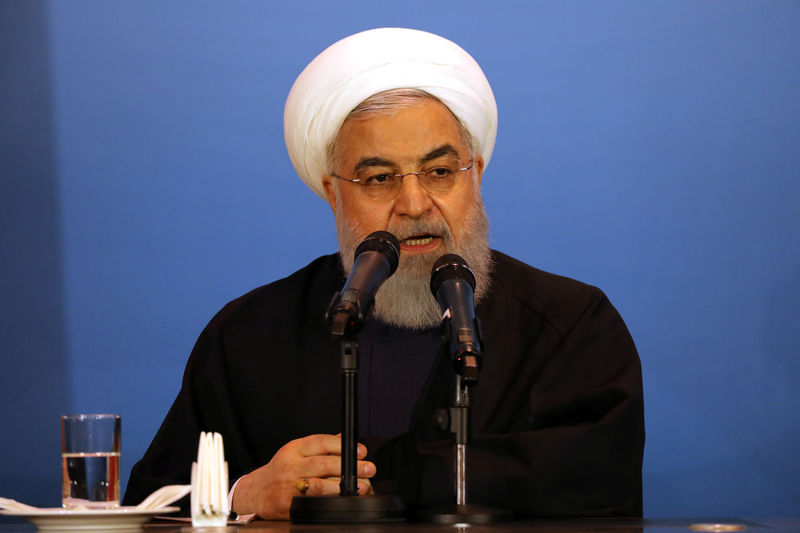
(478, 166)
(330, 191)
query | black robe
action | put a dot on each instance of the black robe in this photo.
(557, 416)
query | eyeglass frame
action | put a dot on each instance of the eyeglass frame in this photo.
(403, 175)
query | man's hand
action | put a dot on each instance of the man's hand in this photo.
(268, 491)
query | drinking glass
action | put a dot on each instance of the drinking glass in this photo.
(90, 449)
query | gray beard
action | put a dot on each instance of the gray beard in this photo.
(405, 299)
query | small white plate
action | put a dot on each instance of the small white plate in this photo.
(76, 519)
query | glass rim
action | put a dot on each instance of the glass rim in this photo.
(90, 416)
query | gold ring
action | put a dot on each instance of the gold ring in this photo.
(301, 485)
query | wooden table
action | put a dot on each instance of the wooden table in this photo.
(669, 525)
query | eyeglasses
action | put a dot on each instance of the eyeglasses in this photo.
(437, 178)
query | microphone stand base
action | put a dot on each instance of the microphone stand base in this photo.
(462, 514)
(337, 509)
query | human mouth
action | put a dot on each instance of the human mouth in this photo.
(419, 243)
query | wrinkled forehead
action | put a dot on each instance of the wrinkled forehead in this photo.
(388, 110)
(413, 133)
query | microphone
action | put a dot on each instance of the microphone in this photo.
(453, 285)
(376, 259)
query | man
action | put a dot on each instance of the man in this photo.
(394, 128)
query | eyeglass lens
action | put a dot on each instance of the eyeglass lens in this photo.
(439, 176)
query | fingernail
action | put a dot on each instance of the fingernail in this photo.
(369, 469)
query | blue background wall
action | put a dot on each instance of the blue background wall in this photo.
(649, 148)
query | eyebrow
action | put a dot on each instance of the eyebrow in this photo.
(365, 162)
(445, 149)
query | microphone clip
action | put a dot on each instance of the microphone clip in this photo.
(466, 356)
(344, 315)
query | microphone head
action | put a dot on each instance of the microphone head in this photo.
(450, 267)
(385, 243)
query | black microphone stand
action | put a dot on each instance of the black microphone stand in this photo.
(457, 420)
(345, 320)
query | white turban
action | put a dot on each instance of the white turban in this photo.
(353, 69)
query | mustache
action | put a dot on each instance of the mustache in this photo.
(416, 228)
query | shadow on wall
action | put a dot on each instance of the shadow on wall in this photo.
(34, 380)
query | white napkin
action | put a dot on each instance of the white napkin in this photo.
(164, 496)
(13, 505)
(210, 483)
(158, 500)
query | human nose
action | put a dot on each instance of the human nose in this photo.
(412, 199)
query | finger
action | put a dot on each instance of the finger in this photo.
(365, 487)
(323, 444)
(323, 466)
(320, 466)
(319, 445)
(339, 480)
(366, 469)
(320, 487)
(361, 451)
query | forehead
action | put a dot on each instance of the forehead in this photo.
(403, 135)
